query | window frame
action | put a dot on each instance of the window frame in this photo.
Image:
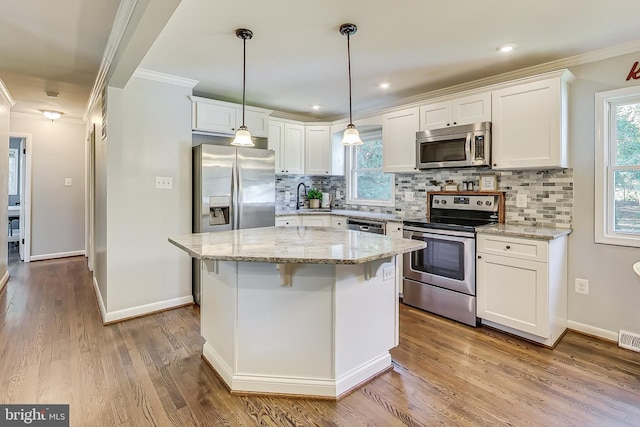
(351, 200)
(605, 155)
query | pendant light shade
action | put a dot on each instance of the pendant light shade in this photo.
(351, 135)
(243, 137)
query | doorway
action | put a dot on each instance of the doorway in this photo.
(19, 196)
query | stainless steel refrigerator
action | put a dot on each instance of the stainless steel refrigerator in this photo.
(233, 188)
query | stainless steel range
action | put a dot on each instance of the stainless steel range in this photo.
(442, 277)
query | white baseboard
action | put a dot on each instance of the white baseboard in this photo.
(96, 289)
(4, 280)
(57, 255)
(592, 330)
(142, 310)
(295, 385)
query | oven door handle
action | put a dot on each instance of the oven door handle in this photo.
(419, 232)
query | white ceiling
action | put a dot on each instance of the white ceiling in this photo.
(53, 45)
(297, 57)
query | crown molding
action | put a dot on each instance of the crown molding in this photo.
(120, 23)
(164, 78)
(38, 116)
(4, 94)
(487, 82)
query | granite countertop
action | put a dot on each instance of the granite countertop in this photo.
(526, 231)
(303, 245)
(341, 212)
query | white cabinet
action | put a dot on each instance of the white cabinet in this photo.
(317, 150)
(225, 118)
(339, 222)
(288, 221)
(287, 140)
(458, 111)
(522, 286)
(399, 140)
(529, 124)
(394, 229)
(316, 220)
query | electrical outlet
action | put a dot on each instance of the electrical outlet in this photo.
(582, 286)
(164, 182)
(521, 200)
(387, 273)
(68, 182)
(338, 194)
(287, 195)
(408, 196)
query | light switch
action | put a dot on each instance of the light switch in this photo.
(521, 200)
(68, 182)
(408, 196)
(164, 182)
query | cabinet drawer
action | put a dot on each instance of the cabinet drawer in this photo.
(535, 250)
(288, 221)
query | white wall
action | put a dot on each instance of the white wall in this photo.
(4, 169)
(149, 135)
(612, 303)
(57, 211)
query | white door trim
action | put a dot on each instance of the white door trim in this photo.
(25, 208)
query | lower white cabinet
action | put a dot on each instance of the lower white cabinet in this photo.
(288, 221)
(339, 222)
(522, 286)
(394, 229)
(316, 220)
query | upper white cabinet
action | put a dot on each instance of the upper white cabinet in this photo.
(399, 140)
(225, 118)
(458, 111)
(529, 124)
(287, 140)
(317, 150)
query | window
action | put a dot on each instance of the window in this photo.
(617, 185)
(366, 183)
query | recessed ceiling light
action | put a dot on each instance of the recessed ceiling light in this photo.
(315, 107)
(507, 47)
(384, 85)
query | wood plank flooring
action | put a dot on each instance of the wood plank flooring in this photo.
(148, 371)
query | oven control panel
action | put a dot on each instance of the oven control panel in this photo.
(472, 202)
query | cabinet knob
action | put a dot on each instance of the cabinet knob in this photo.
(479, 257)
(495, 164)
(508, 247)
(455, 123)
(448, 124)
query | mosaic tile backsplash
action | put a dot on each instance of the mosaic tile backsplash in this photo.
(549, 193)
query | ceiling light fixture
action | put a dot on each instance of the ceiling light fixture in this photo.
(315, 107)
(52, 115)
(507, 47)
(384, 85)
(243, 137)
(351, 135)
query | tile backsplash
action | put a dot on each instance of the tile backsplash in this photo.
(549, 193)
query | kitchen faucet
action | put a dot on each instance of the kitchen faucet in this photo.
(298, 194)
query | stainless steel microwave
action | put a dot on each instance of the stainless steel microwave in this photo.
(454, 147)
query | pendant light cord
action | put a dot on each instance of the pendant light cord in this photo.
(349, 62)
(244, 75)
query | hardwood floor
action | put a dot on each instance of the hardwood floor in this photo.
(148, 371)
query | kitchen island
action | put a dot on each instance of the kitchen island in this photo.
(307, 311)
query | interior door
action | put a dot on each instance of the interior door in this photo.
(22, 180)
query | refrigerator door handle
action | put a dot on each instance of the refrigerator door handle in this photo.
(239, 200)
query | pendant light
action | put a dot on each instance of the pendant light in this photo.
(243, 137)
(351, 136)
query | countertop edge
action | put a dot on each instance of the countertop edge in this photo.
(552, 233)
(344, 213)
